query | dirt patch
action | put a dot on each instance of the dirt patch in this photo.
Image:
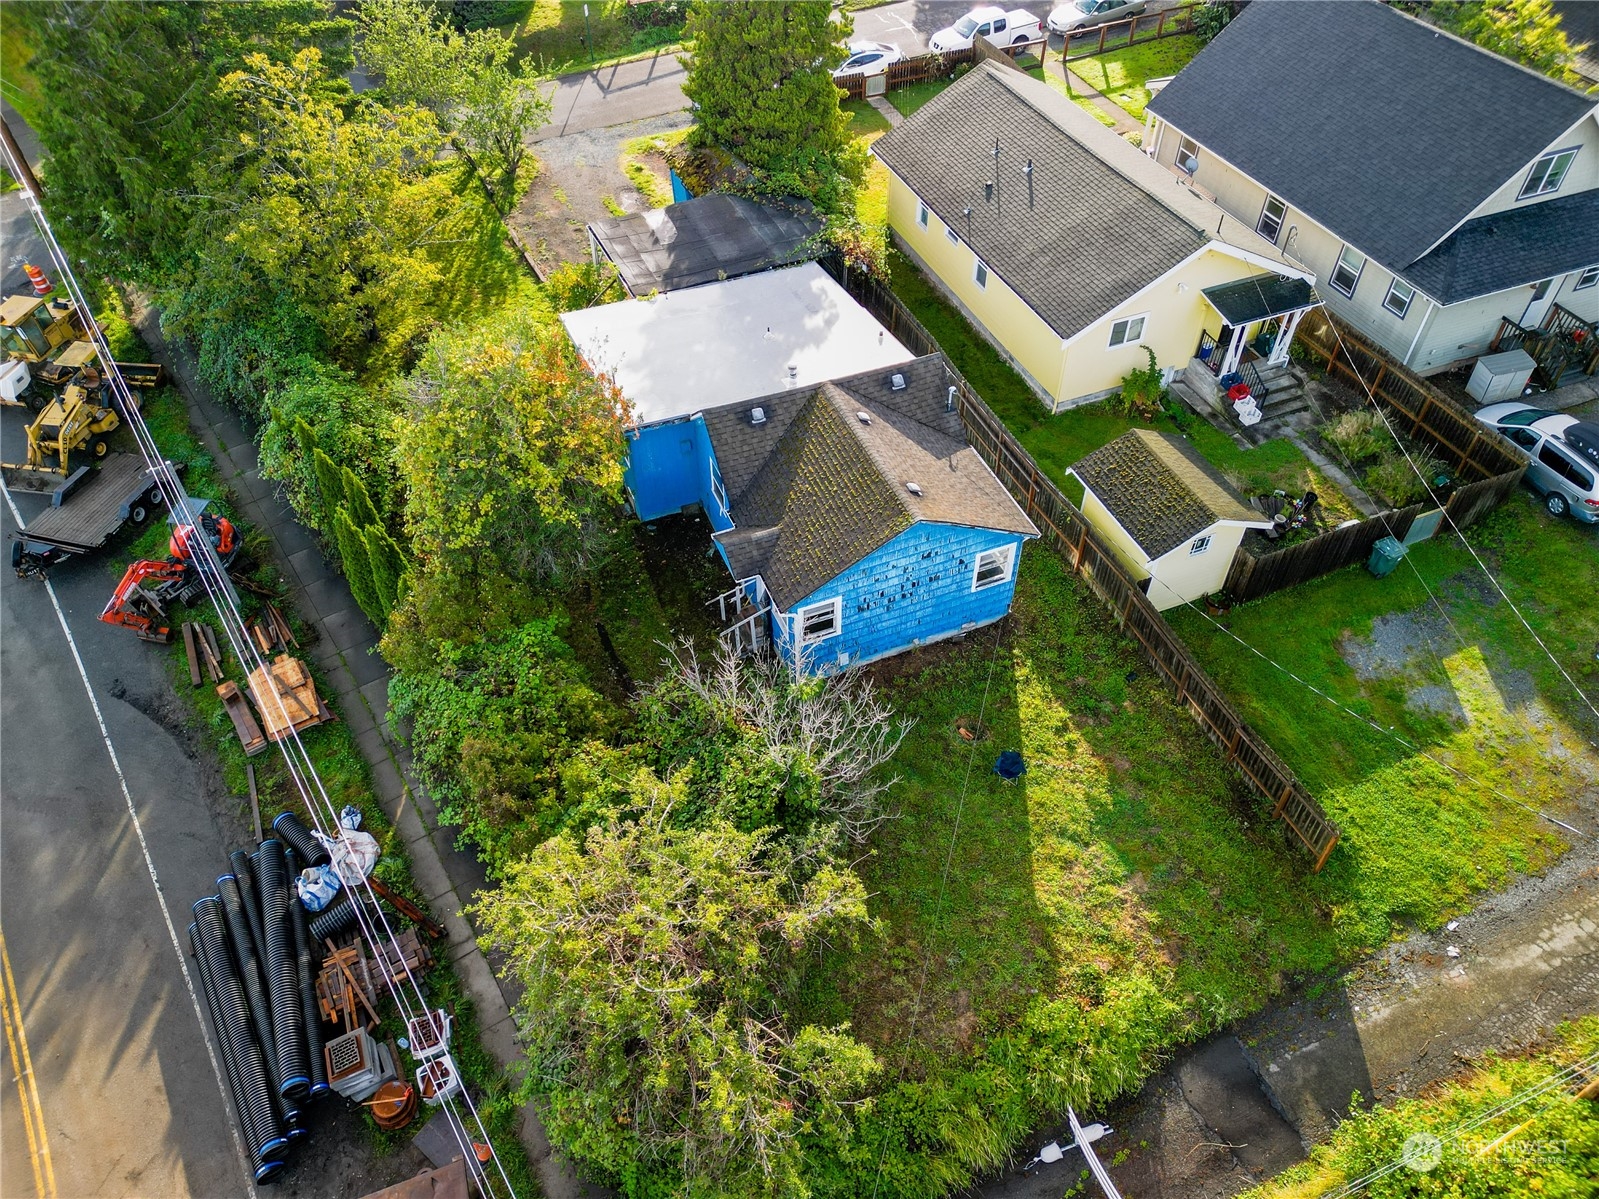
(1398, 642)
(577, 174)
(1438, 698)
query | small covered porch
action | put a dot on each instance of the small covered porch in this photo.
(1254, 320)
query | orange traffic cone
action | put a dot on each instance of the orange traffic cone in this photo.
(41, 283)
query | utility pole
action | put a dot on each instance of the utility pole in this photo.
(14, 154)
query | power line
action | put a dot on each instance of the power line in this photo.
(213, 577)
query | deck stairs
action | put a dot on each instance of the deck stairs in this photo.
(1279, 390)
(744, 618)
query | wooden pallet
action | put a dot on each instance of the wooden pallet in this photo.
(301, 707)
(250, 735)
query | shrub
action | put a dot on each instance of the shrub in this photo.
(576, 285)
(1142, 393)
(1356, 435)
(1398, 480)
(1210, 19)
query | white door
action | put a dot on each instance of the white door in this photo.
(1542, 295)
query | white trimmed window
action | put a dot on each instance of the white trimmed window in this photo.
(818, 622)
(1127, 330)
(1397, 301)
(954, 238)
(921, 215)
(1199, 545)
(1587, 279)
(1547, 174)
(980, 275)
(1271, 219)
(1346, 271)
(1188, 155)
(994, 567)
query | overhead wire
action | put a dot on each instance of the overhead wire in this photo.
(213, 577)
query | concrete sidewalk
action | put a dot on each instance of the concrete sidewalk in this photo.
(347, 653)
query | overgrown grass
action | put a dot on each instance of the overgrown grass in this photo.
(17, 82)
(1546, 1147)
(556, 33)
(1433, 759)
(643, 161)
(1120, 75)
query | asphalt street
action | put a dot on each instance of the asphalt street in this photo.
(116, 1092)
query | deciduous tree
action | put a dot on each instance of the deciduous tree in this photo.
(1527, 31)
(657, 961)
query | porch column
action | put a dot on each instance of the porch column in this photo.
(1285, 337)
(1235, 349)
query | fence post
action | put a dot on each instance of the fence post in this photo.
(1282, 800)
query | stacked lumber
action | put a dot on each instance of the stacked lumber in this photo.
(286, 698)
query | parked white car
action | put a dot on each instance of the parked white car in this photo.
(869, 58)
(1078, 16)
(992, 22)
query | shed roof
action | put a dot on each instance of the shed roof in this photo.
(684, 351)
(1160, 490)
(1382, 128)
(815, 488)
(1095, 222)
(705, 239)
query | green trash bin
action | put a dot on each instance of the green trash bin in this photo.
(1385, 556)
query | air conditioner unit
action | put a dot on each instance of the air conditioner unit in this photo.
(358, 1065)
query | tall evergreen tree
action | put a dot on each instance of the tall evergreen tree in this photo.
(759, 76)
(357, 566)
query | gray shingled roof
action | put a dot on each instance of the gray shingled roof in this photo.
(1079, 237)
(705, 239)
(1260, 296)
(814, 489)
(1377, 125)
(1160, 490)
(1511, 249)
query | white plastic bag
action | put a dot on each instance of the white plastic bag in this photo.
(354, 854)
(317, 886)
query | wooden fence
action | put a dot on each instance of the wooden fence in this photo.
(1068, 533)
(1167, 23)
(1492, 466)
(907, 71)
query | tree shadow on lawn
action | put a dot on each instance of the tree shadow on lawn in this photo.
(1123, 864)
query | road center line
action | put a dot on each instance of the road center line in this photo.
(149, 863)
(44, 1178)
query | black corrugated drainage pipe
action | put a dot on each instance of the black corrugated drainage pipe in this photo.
(249, 966)
(313, 1017)
(253, 1093)
(244, 871)
(288, 1019)
(333, 919)
(293, 833)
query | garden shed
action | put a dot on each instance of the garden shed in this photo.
(704, 240)
(1167, 513)
(676, 354)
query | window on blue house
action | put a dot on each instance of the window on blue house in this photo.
(818, 622)
(993, 567)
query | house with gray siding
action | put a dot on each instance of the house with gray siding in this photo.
(1436, 190)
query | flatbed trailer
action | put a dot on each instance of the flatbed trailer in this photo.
(86, 511)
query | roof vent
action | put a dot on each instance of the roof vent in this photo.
(864, 417)
(757, 416)
(914, 488)
(897, 381)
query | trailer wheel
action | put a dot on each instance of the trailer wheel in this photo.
(137, 513)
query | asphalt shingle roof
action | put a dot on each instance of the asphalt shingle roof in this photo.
(704, 239)
(1080, 235)
(1510, 249)
(1160, 490)
(1380, 127)
(813, 488)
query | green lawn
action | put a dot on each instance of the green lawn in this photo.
(1418, 839)
(1119, 75)
(864, 120)
(556, 33)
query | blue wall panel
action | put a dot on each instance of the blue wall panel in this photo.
(671, 466)
(915, 589)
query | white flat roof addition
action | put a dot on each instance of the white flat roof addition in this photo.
(683, 351)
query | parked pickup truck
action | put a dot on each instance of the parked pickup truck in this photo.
(992, 22)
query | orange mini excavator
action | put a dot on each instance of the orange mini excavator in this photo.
(149, 588)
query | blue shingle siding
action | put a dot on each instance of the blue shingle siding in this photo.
(670, 467)
(915, 589)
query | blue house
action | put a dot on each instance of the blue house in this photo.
(856, 518)
(679, 353)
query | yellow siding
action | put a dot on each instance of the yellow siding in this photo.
(1020, 333)
(1121, 542)
(1181, 577)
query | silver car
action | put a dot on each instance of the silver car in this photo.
(1564, 452)
(1078, 16)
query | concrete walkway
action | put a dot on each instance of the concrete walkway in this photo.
(347, 653)
(888, 112)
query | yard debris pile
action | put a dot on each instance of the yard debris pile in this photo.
(288, 1033)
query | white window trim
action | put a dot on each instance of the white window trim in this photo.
(1182, 142)
(1199, 545)
(1282, 218)
(1570, 155)
(718, 491)
(1332, 275)
(1143, 328)
(921, 214)
(980, 273)
(1007, 554)
(836, 605)
(1586, 279)
(1410, 299)
(954, 238)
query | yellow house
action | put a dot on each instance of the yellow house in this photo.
(1171, 519)
(1070, 250)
